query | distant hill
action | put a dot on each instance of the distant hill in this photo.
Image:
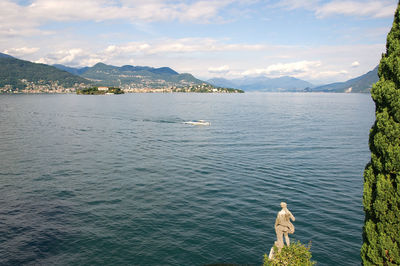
(222, 82)
(74, 71)
(81, 71)
(158, 71)
(133, 76)
(262, 83)
(18, 73)
(360, 84)
(5, 56)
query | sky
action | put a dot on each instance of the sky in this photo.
(320, 41)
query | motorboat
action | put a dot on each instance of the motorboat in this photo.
(198, 123)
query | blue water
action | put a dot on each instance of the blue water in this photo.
(117, 180)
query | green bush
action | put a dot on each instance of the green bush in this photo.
(295, 254)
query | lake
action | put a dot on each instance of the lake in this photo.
(117, 180)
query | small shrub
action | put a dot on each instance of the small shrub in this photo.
(295, 254)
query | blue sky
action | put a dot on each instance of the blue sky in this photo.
(316, 40)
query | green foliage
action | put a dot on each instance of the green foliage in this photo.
(295, 254)
(205, 88)
(115, 90)
(90, 91)
(232, 90)
(381, 196)
(13, 70)
(95, 91)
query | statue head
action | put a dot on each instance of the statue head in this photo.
(283, 205)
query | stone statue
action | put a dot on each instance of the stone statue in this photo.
(283, 226)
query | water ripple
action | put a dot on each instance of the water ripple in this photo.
(120, 180)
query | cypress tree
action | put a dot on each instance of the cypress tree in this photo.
(381, 198)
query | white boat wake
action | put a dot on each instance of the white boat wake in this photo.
(198, 123)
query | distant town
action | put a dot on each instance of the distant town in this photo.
(55, 87)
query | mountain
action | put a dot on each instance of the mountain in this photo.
(72, 70)
(360, 84)
(222, 82)
(262, 83)
(20, 74)
(133, 76)
(161, 70)
(5, 56)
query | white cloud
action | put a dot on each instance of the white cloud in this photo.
(13, 21)
(219, 70)
(295, 4)
(183, 45)
(355, 64)
(72, 57)
(307, 70)
(184, 49)
(26, 20)
(376, 9)
(326, 75)
(202, 10)
(128, 48)
(22, 51)
(23, 20)
(283, 69)
(368, 8)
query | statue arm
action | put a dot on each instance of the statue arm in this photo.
(292, 217)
